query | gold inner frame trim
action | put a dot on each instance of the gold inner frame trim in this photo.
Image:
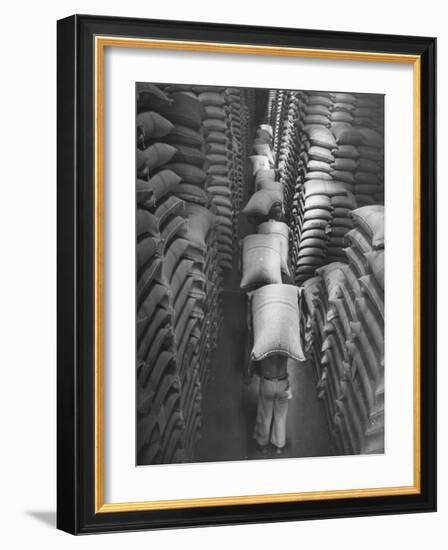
(101, 42)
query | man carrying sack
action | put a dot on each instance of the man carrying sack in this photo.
(275, 324)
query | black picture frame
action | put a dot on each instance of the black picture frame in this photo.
(76, 254)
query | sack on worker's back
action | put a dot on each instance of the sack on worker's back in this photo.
(261, 261)
(263, 175)
(261, 203)
(259, 162)
(281, 230)
(264, 150)
(276, 322)
(191, 193)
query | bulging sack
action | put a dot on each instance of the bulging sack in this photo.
(259, 162)
(261, 203)
(276, 322)
(371, 220)
(153, 125)
(261, 261)
(281, 230)
(264, 175)
(153, 156)
(188, 172)
(150, 97)
(150, 192)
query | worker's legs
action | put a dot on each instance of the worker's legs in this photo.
(264, 411)
(280, 412)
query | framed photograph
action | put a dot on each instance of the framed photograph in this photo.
(246, 274)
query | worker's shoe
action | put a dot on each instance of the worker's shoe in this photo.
(279, 450)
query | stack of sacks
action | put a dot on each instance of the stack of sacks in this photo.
(291, 147)
(369, 112)
(277, 117)
(318, 109)
(276, 322)
(321, 206)
(369, 177)
(178, 275)
(281, 231)
(341, 117)
(237, 121)
(271, 107)
(219, 162)
(262, 260)
(160, 223)
(344, 104)
(354, 118)
(346, 309)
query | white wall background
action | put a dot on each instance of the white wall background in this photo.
(27, 288)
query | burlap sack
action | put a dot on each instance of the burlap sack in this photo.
(182, 135)
(217, 137)
(346, 151)
(261, 261)
(322, 137)
(188, 172)
(345, 135)
(147, 224)
(320, 153)
(185, 110)
(264, 150)
(150, 97)
(153, 125)
(276, 322)
(212, 98)
(190, 155)
(261, 203)
(153, 156)
(281, 230)
(371, 220)
(168, 207)
(191, 193)
(259, 162)
(200, 221)
(152, 191)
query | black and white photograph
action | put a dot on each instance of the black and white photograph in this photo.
(260, 249)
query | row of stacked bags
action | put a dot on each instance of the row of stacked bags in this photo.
(345, 301)
(189, 175)
(330, 160)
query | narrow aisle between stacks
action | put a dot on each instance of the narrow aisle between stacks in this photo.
(229, 406)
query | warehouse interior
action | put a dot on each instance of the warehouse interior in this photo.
(222, 173)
